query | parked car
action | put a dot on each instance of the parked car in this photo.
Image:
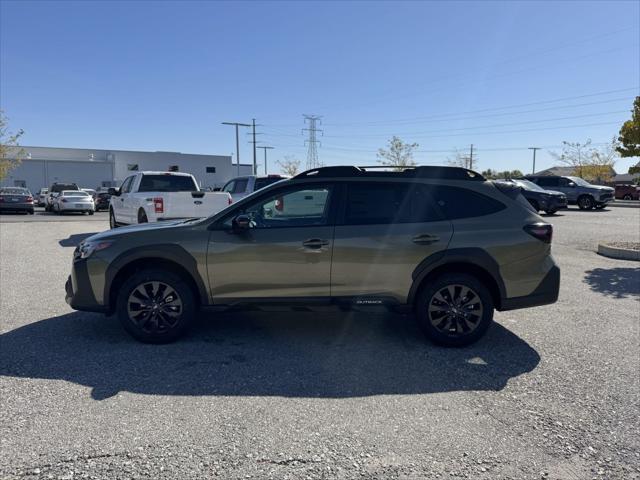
(627, 192)
(240, 187)
(539, 198)
(16, 199)
(73, 201)
(55, 190)
(102, 201)
(440, 241)
(153, 196)
(578, 191)
(91, 192)
(41, 197)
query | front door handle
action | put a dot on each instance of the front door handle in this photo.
(315, 243)
(425, 239)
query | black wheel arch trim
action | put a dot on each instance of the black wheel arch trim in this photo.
(169, 252)
(472, 256)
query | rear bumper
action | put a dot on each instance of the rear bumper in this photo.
(545, 293)
(16, 207)
(78, 293)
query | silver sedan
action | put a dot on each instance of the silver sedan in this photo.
(74, 201)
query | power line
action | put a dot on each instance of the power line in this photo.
(312, 142)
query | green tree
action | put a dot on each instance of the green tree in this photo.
(10, 152)
(399, 154)
(630, 133)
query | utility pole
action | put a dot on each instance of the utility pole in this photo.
(237, 141)
(255, 164)
(533, 170)
(265, 157)
(471, 158)
(312, 141)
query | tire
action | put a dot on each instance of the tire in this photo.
(627, 197)
(91, 212)
(112, 220)
(438, 320)
(159, 325)
(551, 211)
(31, 212)
(586, 202)
(142, 216)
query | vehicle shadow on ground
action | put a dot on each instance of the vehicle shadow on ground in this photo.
(615, 282)
(325, 355)
(75, 239)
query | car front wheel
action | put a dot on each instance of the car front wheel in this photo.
(585, 202)
(155, 306)
(112, 220)
(454, 310)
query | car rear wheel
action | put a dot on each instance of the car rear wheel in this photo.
(627, 197)
(112, 220)
(155, 306)
(142, 216)
(585, 202)
(454, 310)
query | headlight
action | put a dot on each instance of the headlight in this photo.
(86, 249)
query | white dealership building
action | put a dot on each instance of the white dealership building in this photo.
(92, 168)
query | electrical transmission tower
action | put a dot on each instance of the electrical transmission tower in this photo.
(312, 142)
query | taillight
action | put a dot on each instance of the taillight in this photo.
(229, 200)
(29, 199)
(280, 204)
(158, 205)
(541, 231)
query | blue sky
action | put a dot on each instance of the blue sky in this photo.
(163, 75)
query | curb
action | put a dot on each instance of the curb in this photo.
(618, 253)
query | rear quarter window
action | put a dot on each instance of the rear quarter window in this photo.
(457, 203)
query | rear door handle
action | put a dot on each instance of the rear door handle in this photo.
(425, 239)
(315, 243)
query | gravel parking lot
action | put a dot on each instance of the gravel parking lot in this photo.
(551, 392)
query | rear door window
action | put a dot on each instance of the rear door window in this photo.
(371, 203)
(458, 202)
(263, 182)
(548, 182)
(240, 185)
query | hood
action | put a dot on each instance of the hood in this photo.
(144, 227)
(554, 193)
(603, 188)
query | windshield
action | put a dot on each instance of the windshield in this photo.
(167, 183)
(579, 181)
(14, 191)
(74, 193)
(528, 185)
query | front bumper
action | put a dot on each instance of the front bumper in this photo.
(545, 293)
(78, 291)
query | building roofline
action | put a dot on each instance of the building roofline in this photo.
(110, 150)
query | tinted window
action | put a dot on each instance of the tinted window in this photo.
(301, 207)
(240, 185)
(384, 203)
(462, 203)
(57, 188)
(229, 186)
(126, 185)
(548, 181)
(167, 183)
(263, 182)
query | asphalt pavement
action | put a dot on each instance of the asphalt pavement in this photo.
(550, 393)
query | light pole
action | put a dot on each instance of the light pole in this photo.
(534, 158)
(237, 141)
(265, 157)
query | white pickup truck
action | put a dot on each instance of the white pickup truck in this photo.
(153, 196)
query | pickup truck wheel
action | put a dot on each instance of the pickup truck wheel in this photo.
(155, 306)
(112, 220)
(454, 310)
(142, 216)
(585, 202)
(627, 197)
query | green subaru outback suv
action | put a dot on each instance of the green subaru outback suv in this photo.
(440, 241)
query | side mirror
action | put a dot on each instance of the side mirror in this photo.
(242, 223)
(114, 191)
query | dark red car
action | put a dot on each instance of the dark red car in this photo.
(627, 192)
